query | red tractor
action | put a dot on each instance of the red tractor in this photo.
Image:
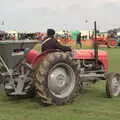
(54, 76)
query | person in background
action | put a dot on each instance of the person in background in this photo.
(78, 40)
(50, 42)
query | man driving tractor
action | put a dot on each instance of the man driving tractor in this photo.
(51, 43)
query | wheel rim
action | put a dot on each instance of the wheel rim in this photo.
(115, 86)
(61, 80)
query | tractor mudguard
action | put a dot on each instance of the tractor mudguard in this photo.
(33, 57)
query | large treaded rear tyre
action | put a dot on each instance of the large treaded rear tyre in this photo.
(56, 79)
(113, 85)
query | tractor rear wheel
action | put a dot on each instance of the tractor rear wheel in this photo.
(113, 85)
(56, 79)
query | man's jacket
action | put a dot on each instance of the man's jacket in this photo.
(52, 43)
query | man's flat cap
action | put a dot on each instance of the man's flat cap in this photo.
(50, 31)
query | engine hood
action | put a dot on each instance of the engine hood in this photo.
(88, 54)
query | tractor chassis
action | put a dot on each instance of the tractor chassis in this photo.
(91, 77)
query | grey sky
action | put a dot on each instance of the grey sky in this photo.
(38, 15)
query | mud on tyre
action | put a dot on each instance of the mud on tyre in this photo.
(56, 79)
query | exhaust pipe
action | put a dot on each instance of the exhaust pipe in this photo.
(95, 46)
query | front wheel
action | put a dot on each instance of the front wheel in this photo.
(55, 79)
(113, 85)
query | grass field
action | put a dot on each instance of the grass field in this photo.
(91, 104)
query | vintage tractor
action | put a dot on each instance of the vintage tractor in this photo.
(54, 76)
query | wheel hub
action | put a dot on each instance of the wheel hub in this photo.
(61, 80)
(116, 86)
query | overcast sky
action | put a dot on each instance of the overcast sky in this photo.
(38, 15)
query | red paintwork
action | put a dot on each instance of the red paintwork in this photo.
(31, 56)
(112, 43)
(34, 57)
(89, 54)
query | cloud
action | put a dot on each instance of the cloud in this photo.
(45, 3)
(110, 1)
(36, 15)
(113, 1)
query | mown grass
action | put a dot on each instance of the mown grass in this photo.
(91, 104)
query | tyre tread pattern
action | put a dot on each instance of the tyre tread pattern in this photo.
(41, 82)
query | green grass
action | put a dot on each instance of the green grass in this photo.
(114, 59)
(91, 104)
